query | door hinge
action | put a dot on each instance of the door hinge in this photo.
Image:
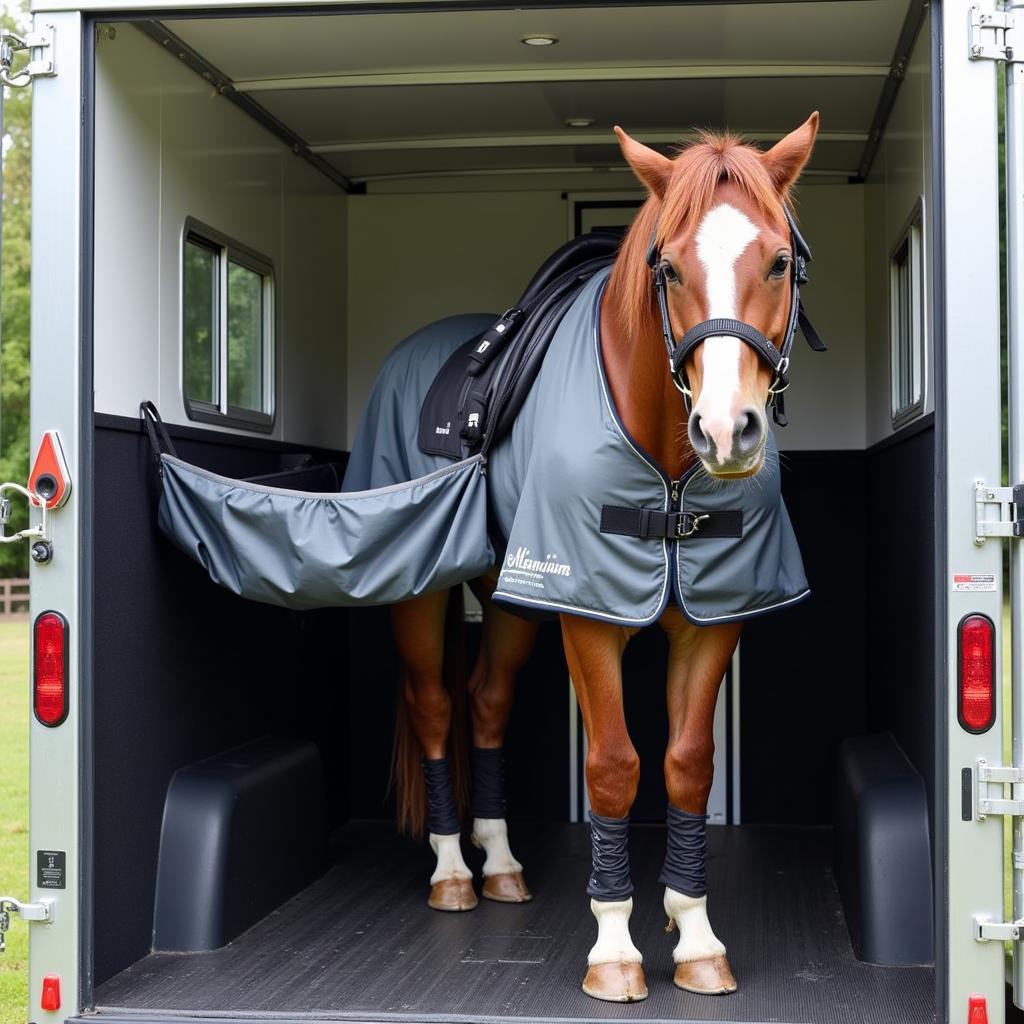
(42, 61)
(987, 930)
(41, 910)
(999, 775)
(998, 511)
(991, 34)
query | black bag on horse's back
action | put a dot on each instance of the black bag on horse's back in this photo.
(478, 393)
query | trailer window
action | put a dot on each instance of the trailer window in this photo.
(200, 323)
(227, 303)
(906, 322)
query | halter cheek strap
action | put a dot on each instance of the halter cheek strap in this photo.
(776, 358)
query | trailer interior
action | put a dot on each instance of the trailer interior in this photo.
(368, 171)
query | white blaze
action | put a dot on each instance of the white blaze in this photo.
(723, 236)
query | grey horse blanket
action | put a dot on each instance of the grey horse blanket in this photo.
(564, 505)
(568, 466)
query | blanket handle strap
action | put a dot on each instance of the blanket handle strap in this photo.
(159, 440)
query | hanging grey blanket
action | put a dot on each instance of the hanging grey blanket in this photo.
(419, 524)
(560, 504)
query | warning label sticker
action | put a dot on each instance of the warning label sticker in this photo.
(974, 581)
(50, 869)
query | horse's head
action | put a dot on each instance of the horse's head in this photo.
(715, 227)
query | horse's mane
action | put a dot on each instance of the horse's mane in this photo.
(697, 171)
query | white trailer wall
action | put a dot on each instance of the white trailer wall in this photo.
(168, 148)
(414, 258)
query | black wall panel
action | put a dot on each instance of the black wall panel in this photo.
(182, 670)
(802, 670)
(901, 594)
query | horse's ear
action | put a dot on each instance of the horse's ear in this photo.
(648, 165)
(786, 159)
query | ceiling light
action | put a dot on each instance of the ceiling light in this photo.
(539, 40)
(579, 122)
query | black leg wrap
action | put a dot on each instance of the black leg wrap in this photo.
(442, 818)
(609, 879)
(686, 846)
(488, 782)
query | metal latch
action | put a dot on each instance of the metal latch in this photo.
(39, 911)
(987, 930)
(991, 34)
(998, 511)
(42, 61)
(1001, 776)
(42, 545)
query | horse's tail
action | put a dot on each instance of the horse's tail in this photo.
(406, 768)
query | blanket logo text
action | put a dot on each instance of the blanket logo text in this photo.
(530, 571)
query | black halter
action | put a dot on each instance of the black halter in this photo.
(776, 358)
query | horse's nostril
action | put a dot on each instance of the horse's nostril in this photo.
(748, 432)
(699, 441)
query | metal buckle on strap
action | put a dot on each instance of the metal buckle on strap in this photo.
(688, 523)
(780, 376)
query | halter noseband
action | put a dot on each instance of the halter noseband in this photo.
(776, 358)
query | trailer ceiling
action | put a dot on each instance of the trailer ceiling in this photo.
(412, 94)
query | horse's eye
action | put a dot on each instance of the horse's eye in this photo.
(779, 267)
(670, 272)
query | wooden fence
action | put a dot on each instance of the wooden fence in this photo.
(13, 599)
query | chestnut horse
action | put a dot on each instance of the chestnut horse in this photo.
(716, 213)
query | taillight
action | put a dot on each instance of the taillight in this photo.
(50, 668)
(976, 643)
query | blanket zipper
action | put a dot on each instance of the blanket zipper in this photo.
(673, 506)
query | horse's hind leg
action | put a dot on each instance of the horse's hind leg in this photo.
(505, 646)
(419, 630)
(698, 658)
(594, 653)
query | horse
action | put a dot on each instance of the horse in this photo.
(715, 234)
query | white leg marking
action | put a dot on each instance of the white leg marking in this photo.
(449, 859)
(722, 237)
(491, 836)
(696, 939)
(613, 946)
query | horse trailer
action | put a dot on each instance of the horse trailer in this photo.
(238, 209)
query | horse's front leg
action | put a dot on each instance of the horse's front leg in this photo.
(506, 644)
(594, 653)
(419, 628)
(698, 658)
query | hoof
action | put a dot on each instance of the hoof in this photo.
(507, 888)
(616, 983)
(453, 894)
(711, 976)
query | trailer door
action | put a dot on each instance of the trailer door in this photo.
(61, 410)
(974, 510)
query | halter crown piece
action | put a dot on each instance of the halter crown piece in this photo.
(776, 358)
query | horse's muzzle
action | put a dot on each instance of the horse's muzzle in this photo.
(729, 446)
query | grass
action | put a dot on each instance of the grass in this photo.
(14, 867)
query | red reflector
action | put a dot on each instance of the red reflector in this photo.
(50, 999)
(977, 1010)
(49, 668)
(976, 636)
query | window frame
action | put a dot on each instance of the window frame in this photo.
(228, 250)
(911, 238)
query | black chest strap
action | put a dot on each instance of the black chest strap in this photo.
(651, 523)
